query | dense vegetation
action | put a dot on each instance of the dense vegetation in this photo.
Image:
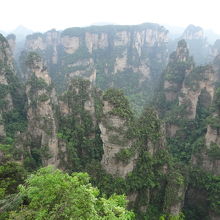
(52, 194)
(168, 174)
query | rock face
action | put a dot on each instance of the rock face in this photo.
(47, 42)
(210, 160)
(78, 125)
(70, 44)
(172, 82)
(6, 71)
(87, 130)
(113, 134)
(11, 38)
(215, 50)
(180, 65)
(106, 56)
(192, 32)
(175, 193)
(42, 125)
(190, 96)
(197, 44)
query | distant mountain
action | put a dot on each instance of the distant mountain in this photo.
(174, 31)
(196, 40)
(211, 36)
(21, 32)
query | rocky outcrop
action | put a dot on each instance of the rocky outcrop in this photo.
(6, 71)
(215, 50)
(173, 77)
(78, 124)
(193, 32)
(47, 42)
(96, 41)
(125, 139)
(191, 113)
(192, 88)
(106, 56)
(113, 134)
(11, 38)
(175, 193)
(197, 43)
(42, 125)
(70, 44)
(180, 65)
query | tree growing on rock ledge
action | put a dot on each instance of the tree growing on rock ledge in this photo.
(52, 194)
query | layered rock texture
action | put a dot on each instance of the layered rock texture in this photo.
(188, 103)
(114, 128)
(127, 57)
(6, 69)
(41, 101)
(166, 160)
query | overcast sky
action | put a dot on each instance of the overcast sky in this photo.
(42, 15)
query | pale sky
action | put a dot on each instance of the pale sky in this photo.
(42, 15)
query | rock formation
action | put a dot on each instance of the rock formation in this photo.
(41, 101)
(11, 38)
(106, 56)
(191, 114)
(6, 68)
(167, 165)
(197, 44)
(114, 129)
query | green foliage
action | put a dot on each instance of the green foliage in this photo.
(177, 67)
(119, 102)
(149, 126)
(32, 59)
(52, 194)
(37, 84)
(172, 217)
(78, 129)
(217, 97)
(11, 175)
(209, 183)
(214, 122)
(214, 151)
(4, 90)
(147, 174)
(7, 150)
(68, 59)
(124, 155)
(43, 98)
(192, 80)
(175, 189)
(176, 72)
(177, 115)
(189, 136)
(13, 119)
